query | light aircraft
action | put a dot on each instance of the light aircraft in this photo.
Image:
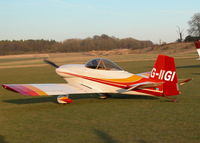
(105, 77)
(197, 44)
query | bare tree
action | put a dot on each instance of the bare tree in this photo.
(180, 33)
(194, 23)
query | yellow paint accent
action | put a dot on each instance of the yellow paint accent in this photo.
(145, 74)
(39, 92)
(132, 78)
(63, 97)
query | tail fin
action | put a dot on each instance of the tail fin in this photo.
(164, 70)
(197, 44)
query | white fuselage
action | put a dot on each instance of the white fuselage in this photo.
(73, 73)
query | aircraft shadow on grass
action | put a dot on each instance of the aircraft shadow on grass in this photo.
(189, 66)
(75, 97)
(106, 138)
(32, 100)
(2, 139)
(196, 73)
(125, 96)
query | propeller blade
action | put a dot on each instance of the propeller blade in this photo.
(51, 63)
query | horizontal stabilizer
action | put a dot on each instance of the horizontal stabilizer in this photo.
(143, 85)
(184, 81)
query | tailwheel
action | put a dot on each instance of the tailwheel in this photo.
(171, 99)
(64, 99)
(104, 96)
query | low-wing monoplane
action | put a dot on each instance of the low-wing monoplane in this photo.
(105, 77)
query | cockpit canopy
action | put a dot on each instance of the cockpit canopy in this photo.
(102, 64)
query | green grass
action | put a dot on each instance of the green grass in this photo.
(19, 59)
(90, 120)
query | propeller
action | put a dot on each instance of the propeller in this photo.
(51, 63)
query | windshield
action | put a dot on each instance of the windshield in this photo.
(102, 64)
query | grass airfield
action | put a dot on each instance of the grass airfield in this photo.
(120, 119)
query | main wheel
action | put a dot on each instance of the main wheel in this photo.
(64, 99)
(104, 96)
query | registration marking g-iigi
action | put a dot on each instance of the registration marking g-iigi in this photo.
(163, 74)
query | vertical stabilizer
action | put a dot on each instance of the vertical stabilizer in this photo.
(164, 70)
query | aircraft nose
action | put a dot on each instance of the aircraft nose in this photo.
(61, 71)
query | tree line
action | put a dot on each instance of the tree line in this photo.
(193, 31)
(102, 42)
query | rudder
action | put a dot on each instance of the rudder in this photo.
(164, 70)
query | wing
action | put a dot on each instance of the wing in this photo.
(43, 89)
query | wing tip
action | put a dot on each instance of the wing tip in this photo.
(5, 86)
(20, 89)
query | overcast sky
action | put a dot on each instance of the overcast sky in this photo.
(63, 19)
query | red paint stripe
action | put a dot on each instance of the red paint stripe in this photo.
(18, 89)
(8, 88)
(113, 83)
(30, 91)
(120, 85)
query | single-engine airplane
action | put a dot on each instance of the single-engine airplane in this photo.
(105, 77)
(197, 44)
